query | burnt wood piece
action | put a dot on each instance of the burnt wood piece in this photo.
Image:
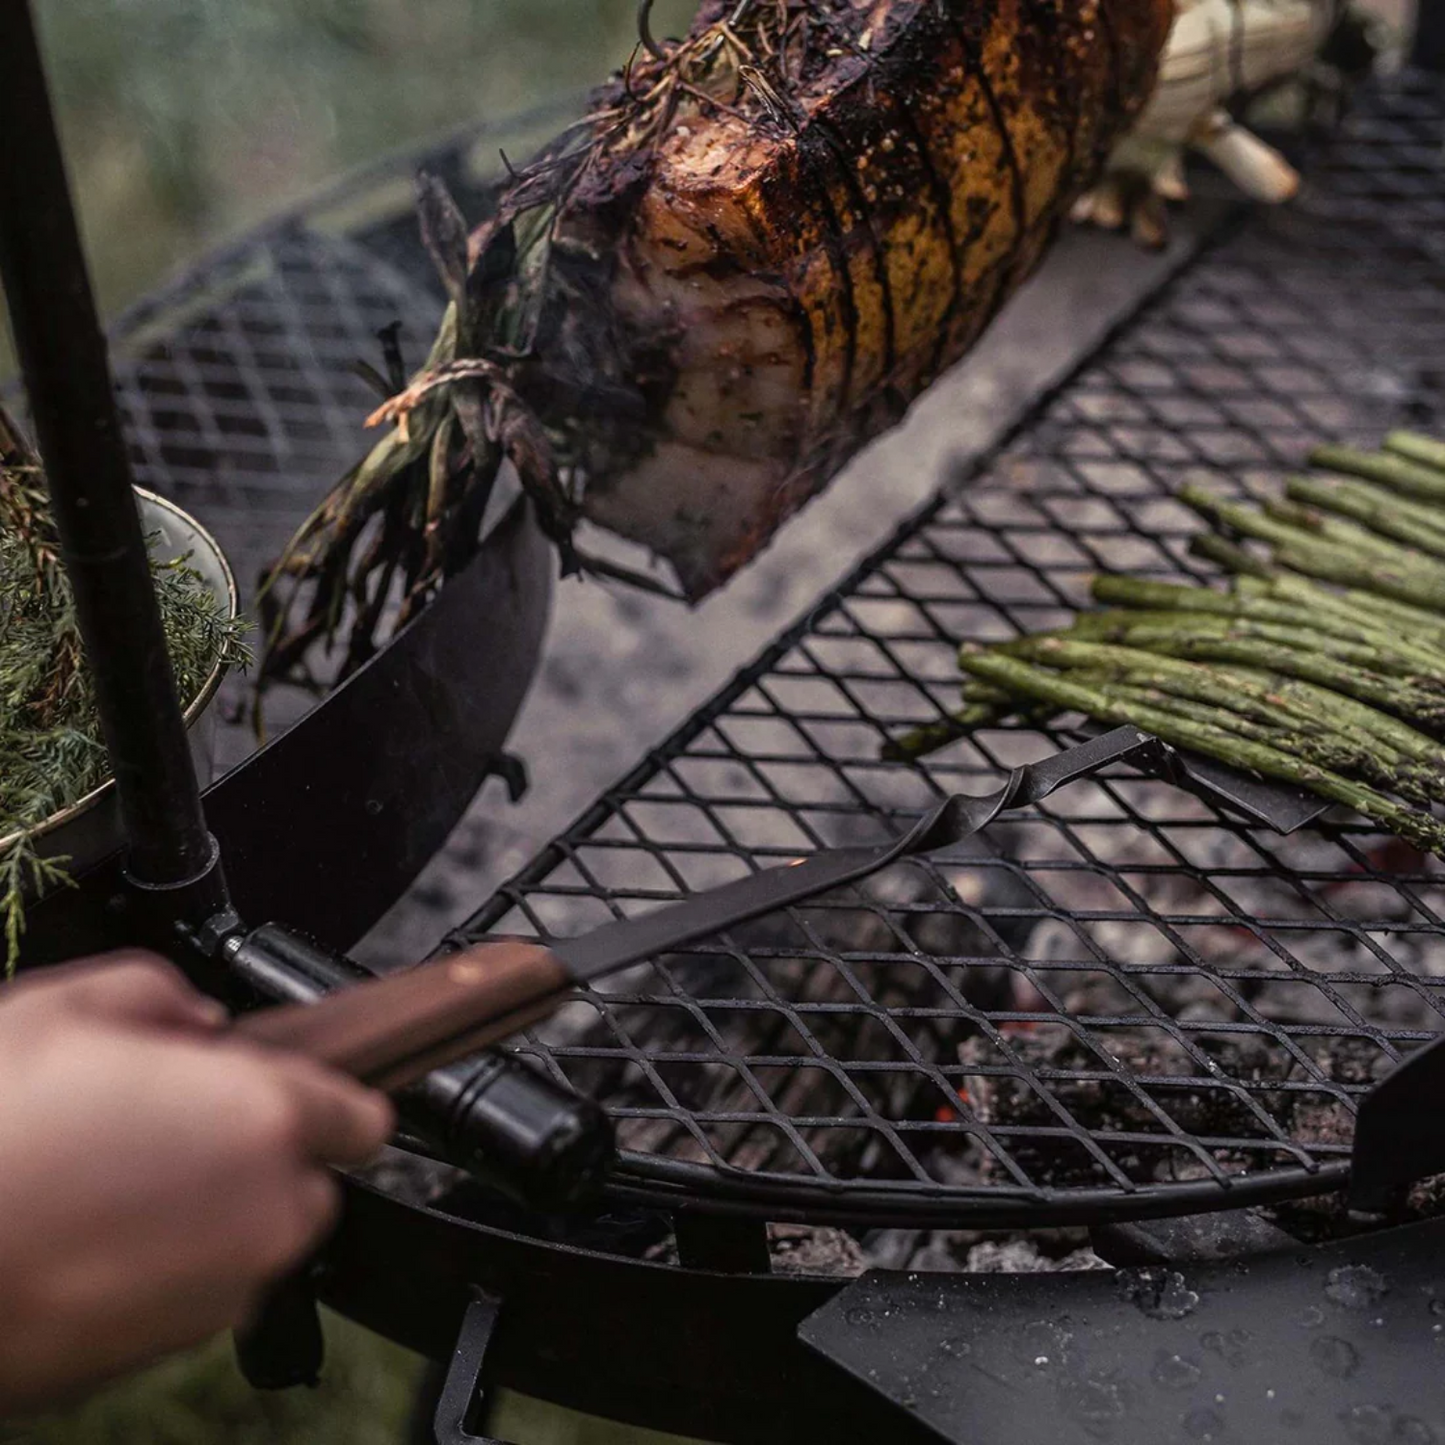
(1189, 1239)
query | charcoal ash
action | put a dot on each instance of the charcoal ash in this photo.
(815, 1249)
(835, 960)
(942, 1251)
(1023, 1255)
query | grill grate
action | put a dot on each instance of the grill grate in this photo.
(1124, 1001)
(237, 381)
(237, 388)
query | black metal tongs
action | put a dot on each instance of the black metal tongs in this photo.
(392, 1030)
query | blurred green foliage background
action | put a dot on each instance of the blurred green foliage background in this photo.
(187, 120)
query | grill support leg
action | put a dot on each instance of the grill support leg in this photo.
(721, 1243)
(284, 1346)
(462, 1391)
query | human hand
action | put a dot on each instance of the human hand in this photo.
(155, 1175)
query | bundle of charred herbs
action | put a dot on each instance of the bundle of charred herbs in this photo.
(761, 242)
(1322, 663)
(51, 752)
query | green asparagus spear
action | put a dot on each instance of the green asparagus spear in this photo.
(1164, 596)
(1386, 516)
(1158, 631)
(1350, 759)
(1392, 694)
(1422, 450)
(1417, 622)
(1284, 701)
(1302, 551)
(1230, 556)
(920, 742)
(1342, 532)
(1393, 471)
(1332, 564)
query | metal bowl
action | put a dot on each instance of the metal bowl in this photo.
(89, 829)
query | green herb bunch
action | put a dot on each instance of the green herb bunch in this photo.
(51, 750)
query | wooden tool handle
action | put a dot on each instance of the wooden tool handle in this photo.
(393, 1029)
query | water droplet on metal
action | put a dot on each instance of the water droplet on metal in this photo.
(1042, 1342)
(1203, 1424)
(1229, 1348)
(1174, 1372)
(1338, 1358)
(954, 1348)
(1159, 1293)
(1380, 1425)
(1092, 1399)
(859, 1316)
(1355, 1287)
(1367, 1425)
(1437, 1306)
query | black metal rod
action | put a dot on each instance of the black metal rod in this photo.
(67, 377)
(1430, 35)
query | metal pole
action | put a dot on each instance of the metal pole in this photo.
(1430, 35)
(67, 377)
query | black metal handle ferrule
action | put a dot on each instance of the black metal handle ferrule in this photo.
(502, 1122)
(514, 1129)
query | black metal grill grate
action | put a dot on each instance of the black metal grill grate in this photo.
(238, 382)
(1124, 1001)
(238, 391)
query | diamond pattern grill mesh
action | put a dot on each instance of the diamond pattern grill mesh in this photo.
(237, 387)
(1124, 998)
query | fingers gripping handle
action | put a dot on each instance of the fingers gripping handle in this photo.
(392, 1030)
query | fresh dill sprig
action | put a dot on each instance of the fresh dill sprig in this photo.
(51, 751)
